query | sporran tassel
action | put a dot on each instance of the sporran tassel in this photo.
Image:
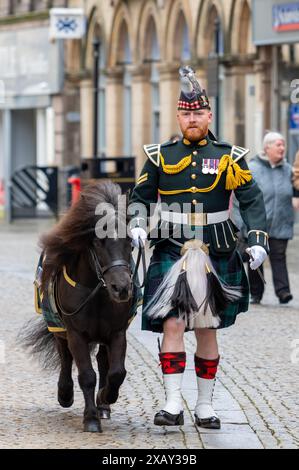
(182, 298)
(219, 296)
(197, 294)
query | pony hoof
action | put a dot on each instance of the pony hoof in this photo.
(104, 410)
(92, 426)
(65, 403)
(104, 413)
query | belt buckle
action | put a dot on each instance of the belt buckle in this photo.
(197, 218)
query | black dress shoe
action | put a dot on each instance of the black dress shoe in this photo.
(209, 423)
(285, 298)
(255, 300)
(163, 418)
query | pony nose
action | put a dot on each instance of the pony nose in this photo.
(121, 291)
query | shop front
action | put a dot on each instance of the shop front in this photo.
(278, 33)
(31, 75)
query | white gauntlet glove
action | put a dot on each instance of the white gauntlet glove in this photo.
(257, 254)
(136, 233)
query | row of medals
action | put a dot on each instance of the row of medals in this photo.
(210, 166)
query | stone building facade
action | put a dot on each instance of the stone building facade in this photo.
(143, 44)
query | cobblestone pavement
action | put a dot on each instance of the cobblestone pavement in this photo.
(256, 394)
(30, 416)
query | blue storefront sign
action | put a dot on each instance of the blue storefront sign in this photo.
(275, 22)
(294, 116)
(286, 17)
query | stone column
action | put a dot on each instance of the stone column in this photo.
(7, 153)
(86, 111)
(41, 137)
(114, 112)
(229, 105)
(262, 69)
(169, 95)
(59, 130)
(141, 113)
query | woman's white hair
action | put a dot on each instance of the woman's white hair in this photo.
(272, 137)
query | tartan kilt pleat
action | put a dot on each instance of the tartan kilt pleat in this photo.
(229, 268)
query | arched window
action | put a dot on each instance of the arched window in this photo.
(244, 29)
(98, 43)
(152, 55)
(214, 33)
(102, 100)
(152, 50)
(182, 50)
(124, 59)
(124, 50)
(213, 49)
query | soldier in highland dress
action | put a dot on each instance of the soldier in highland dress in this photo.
(196, 279)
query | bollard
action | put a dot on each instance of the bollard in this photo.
(75, 181)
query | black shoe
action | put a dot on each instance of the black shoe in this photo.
(208, 423)
(285, 298)
(163, 418)
(255, 300)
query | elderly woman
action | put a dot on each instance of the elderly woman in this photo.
(274, 176)
(296, 181)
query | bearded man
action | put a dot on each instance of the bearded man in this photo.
(196, 279)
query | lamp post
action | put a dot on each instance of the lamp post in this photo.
(96, 57)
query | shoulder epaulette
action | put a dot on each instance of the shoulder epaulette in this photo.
(221, 144)
(238, 152)
(153, 153)
(169, 142)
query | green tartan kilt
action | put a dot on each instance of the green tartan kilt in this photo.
(229, 268)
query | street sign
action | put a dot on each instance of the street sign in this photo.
(275, 22)
(286, 17)
(67, 23)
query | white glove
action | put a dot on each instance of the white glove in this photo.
(136, 233)
(259, 254)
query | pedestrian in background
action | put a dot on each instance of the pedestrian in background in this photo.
(296, 181)
(274, 175)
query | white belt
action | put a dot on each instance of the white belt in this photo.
(194, 218)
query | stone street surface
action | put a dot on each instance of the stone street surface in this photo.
(256, 394)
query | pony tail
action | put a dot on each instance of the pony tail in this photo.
(40, 342)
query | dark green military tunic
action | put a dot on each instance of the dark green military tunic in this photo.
(200, 174)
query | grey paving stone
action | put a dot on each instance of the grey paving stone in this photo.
(231, 441)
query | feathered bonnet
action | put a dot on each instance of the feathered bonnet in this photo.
(192, 96)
